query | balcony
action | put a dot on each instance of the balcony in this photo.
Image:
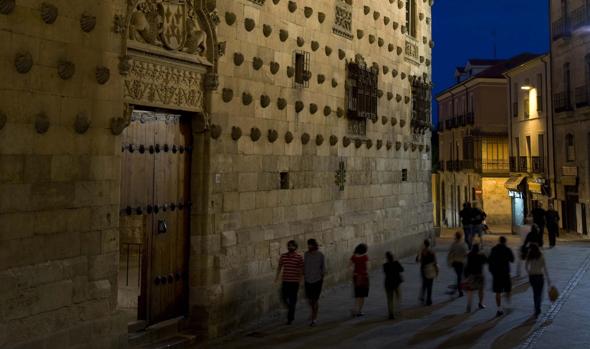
(538, 164)
(513, 167)
(448, 124)
(578, 17)
(581, 96)
(562, 102)
(522, 164)
(561, 29)
(492, 165)
(470, 118)
(468, 164)
(441, 126)
(441, 165)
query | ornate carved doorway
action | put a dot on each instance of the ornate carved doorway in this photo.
(155, 209)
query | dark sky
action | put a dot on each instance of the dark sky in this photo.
(462, 29)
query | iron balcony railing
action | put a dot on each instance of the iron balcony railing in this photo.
(561, 28)
(538, 164)
(441, 165)
(581, 96)
(579, 17)
(469, 118)
(522, 164)
(562, 102)
(513, 164)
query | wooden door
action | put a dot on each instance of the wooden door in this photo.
(156, 186)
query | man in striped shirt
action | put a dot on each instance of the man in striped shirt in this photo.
(291, 265)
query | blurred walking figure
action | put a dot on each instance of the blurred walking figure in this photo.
(552, 221)
(456, 259)
(359, 262)
(539, 214)
(314, 270)
(291, 266)
(478, 217)
(499, 265)
(533, 237)
(474, 276)
(466, 220)
(428, 271)
(393, 278)
(537, 269)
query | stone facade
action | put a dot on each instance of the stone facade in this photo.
(274, 158)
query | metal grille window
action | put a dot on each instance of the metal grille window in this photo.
(302, 72)
(411, 17)
(421, 102)
(361, 91)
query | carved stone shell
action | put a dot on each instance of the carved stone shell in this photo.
(427, 149)
(290, 71)
(273, 135)
(308, 11)
(402, 123)
(315, 45)
(249, 24)
(236, 133)
(246, 98)
(406, 146)
(340, 112)
(292, 6)
(227, 95)
(414, 147)
(264, 101)
(274, 67)
(388, 145)
(82, 123)
(421, 16)
(215, 131)
(366, 10)
(358, 142)
(345, 141)
(376, 15)
(380, 42)
(3, 119)
(298, 106)
(313, 108)
(48, 12)
(390, 47)
(87, 22)
(327, 110)
(66, 69)
(281, 103)
(300, 41)
(42, 123)
(427, 62)
(379, 144)
(374, 119)
(238, 58)
(398, 97)
(7, 6)
(421, 59)
(288, 137)
(266, 30)
(319, 140)
(398, 145)
(389, 96)
(305, 138)
(341, 54)
(283, 35)
(384, 120)
(400, 4)
(230, 18)
(403, 76)
(406, 99)
(321, 17)
(385, 69)
(328, 50)
(23, 62)
(321, 78)
(360, 34)
(421, 147)
(255, 134)
(371, 38)
(386, 20)
(369, 143)
(102, 74)
(431, 44)
(257, 63)
(393, 121)
(399, 50)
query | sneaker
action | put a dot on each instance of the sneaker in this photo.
(499, 313)
(481, 306)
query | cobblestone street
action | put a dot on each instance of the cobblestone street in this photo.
(444, 324)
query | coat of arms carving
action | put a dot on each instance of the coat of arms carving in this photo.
(171, 25)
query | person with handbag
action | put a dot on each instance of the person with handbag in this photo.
(428, 271)
(474, 276)
(537, 269)
(359, 263)
(393, 278)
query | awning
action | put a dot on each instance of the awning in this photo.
(534, 186)
(514, 182)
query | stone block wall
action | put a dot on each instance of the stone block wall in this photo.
(269, 127)
(497, 203)
(59, 174)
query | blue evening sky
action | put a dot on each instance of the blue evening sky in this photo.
(462, 29)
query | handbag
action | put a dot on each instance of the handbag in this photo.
(553, 294)
(430, 271)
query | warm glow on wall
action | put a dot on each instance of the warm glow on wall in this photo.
(532, 102)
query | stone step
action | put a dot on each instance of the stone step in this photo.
(154, 333)
(178, 341)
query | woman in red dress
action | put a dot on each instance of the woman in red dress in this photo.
(359, 263)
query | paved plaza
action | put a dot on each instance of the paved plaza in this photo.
(444, 324)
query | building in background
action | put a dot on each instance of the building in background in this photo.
(473, 141)
(570, 62)
(157, 155)
(530, 129)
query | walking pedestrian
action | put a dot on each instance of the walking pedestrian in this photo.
(456, 259)
(537, 270)
(291, 267)
(474, 276)
(466, 220)
(393, 278)
(478, 217)
(499, 265)
(313, 272)
(552, 221)
(539, 214)
(359, 263)
(532, 237)
(428, 271)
